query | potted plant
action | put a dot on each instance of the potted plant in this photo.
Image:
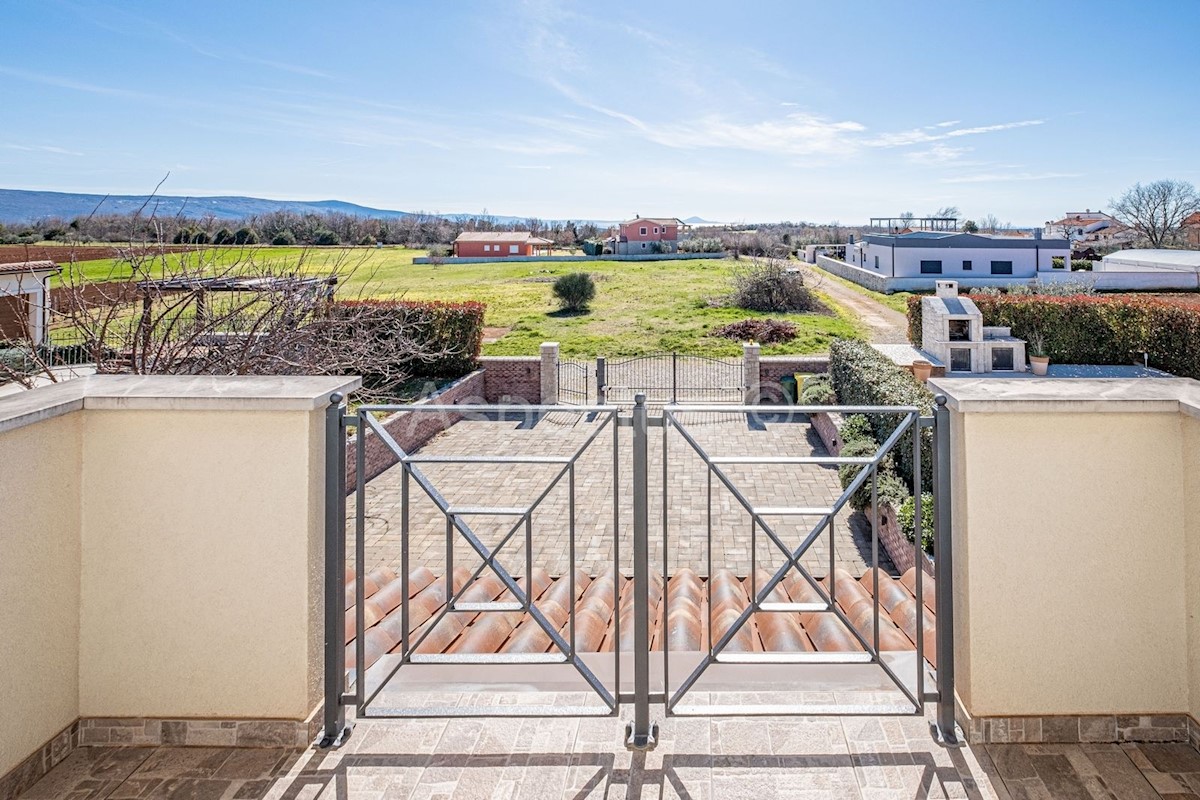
(922, 369)
(1039, 359)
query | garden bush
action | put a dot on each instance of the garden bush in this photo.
(574, 291)
(223, 236)
(1096, 329)
(447, 336)
(904, 518)
(763, 331)
(862, 376)
(701, 244)
(325, 237)
(284, 238)
(817, 391)
(768, 286)
(245, 236)
(888, 485)
(856, 427)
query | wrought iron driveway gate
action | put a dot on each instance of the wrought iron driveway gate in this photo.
(518, 597)
(672, 378)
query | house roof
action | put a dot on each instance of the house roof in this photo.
(656, 220)
(952, 239)
(1167, 259)
(1192, 219)
(29, 266)
(595, 616)
(501, 236)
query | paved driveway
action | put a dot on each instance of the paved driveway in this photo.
(686, 544)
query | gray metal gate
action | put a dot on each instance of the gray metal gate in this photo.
(574, 382)
(672, 378)
(609, 421)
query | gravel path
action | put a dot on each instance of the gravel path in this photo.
(884, 325)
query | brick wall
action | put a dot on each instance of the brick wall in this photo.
(898, 548)
(413, 429)
(512, 378)
(825, 427)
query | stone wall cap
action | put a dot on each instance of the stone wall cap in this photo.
(173, 392)
(1070, 395)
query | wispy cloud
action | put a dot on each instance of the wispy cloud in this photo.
(1002, 177)
(1004, 126)
(70, 83)
(923, 136)
(530, 166)
(42, 148)
(937, 154)
(795, 134)
(946, 124)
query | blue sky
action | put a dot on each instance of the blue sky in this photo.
(752, 111)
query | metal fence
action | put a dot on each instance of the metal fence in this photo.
(672, 378)
(607, 421)
(574, 382)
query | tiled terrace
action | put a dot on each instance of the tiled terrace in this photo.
(867, 757)
(560, 434)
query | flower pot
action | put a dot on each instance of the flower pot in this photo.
(922, 370)
(1039, 364)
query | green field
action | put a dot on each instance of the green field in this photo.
(640, 307)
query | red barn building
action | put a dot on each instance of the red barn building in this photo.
(645, 235)
(500, 244)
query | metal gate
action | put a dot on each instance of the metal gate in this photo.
(574, 382)
(363, 688)
(672, 378)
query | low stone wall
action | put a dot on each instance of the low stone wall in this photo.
(568, 259)
(512, 379)
(863, 277)
(411, 429)
(823, 424)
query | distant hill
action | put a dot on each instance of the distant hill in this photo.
(20, 205)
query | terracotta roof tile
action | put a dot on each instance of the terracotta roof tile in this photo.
(596, 619)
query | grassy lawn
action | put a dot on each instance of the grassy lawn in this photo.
(640, 307)
(897, 301)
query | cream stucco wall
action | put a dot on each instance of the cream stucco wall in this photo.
(198, 547)
(1191, 460)
(39, 584)
(1071, 562)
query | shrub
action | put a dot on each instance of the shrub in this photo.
(891, 489)
(904, 518)
(449, 335)
(440, 251)
(701, 244)
(325, 237)
(200, 237)
(223, 236)
(856, 427)
(862, 376)
(847, 472)
(367, 240)
(767, 286)
(574, 291)
(284, 238)
(817, 391)
(1081, 265)
(763, 331)
(245, 236)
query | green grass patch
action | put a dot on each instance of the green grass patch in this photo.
(640, 307)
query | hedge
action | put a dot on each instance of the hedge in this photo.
(862, 376)
(453, 330)
(1089, 329)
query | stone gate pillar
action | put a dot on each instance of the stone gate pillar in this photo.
(751, 381)
(549, 373)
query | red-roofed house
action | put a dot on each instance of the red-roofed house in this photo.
(500, 244)
(645, 235)
(1191, 230)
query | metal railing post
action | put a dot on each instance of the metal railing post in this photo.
(641, 734)
(601, 379)
(335, 729)
(945, 729)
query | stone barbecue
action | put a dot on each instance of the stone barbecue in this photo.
(952, 331)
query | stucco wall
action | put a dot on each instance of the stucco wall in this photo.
(1191, 458)
(1070, 542)
(200, 546)
(39, 583)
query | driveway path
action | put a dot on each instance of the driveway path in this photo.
(884, 325)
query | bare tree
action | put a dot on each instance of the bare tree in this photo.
(1157, 210)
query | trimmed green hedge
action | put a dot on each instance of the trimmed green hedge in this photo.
(1086, 329)
(862, 376)
(452, 330)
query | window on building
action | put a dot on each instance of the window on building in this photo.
(512, 248)
(960, 359)
(656, 230)
(876, 262)
(643, 245)
(1002, 268)
(931, 267)
(966, 266)
(642, 231)
(1002, 359)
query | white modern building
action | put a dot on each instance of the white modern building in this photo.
(929, 254)
(25, 300)
(1150, 261)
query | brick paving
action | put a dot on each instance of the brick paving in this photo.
(561, 434)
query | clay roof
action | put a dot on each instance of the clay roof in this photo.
(656, 220)
(30, 266)
(501, 236)
(516, 632)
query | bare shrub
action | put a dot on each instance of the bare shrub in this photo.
(769, 286)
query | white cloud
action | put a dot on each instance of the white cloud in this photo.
(937, 154)
(946, 124)
(1004, 126)
(1000, 177)
(42, 148)
(795, 134)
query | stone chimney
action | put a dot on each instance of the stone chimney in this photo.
(947, 288)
